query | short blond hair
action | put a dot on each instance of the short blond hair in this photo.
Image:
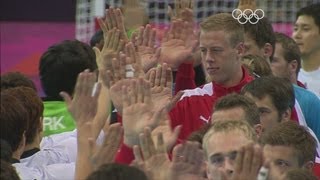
(228, 126)
(224, 22)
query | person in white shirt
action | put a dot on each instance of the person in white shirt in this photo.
(306, 33)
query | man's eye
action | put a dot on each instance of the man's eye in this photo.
(282, 164)
(217, 160)
(233, 156)
(203, 50)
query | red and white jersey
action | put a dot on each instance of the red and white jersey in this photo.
(195, 107)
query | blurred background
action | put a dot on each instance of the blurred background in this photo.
(28, 28)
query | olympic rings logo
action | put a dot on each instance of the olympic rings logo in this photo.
(247, 15)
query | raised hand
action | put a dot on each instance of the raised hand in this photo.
(83, 105)
(113, 44)
(187, 160)
(114, 20)
(138, 110)
(183, 10)
(134, 14)
(105, 153)
(154, 160)
(145, 43)
(178, 44)
(248, 163)
(90, 155)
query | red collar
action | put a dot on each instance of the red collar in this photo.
(220, 91)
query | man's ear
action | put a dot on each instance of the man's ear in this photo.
(258, 130)
(240, 49)
(267, 50)
(308, 165)
(293, 66)
(286, 115)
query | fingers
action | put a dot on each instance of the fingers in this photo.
(174, 100)
(66, 97)
(247, 158)
(137, 154)
(239, 160)
(161, 147)
(146, 35)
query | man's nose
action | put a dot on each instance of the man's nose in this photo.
(227, 167)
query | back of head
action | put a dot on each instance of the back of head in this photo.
(197, 136)
(292, 135)
(299, 174)
(290, 48)
(34, 106)
(60, 65)
(8, 172)
(313, 11)
(96, 38)
(13, 120)
(6, 152)
(261, 32)
(280, 90)
(257, 65)
(115, 171)
(224, 22)
(229, 126)
(16, 79)
(236, 100)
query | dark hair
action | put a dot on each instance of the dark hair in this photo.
(313, 11)
(290, 48)
(115, 171)
(291, 134)
(257, 65)
(60, 65)
(236, 100)
(299, 174)
(13, 120)
(261, 33)
(6, 152)
(8, 172)
(16, 79)
(96, 38)
(279, 89)
(34, 106)
(197, 136)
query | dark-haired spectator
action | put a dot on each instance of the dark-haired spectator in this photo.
(288, 146)
(16, 79)
(306, 33)
(59, 67)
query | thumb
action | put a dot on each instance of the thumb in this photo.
(66, 97)
(97, 52)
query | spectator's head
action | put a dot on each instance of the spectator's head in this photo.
(288, 146)
(60, 65)
(237, 107)
(298, 174)
(16, 79)
(34, 106)
(257, 65)
(221, 46)
(222, 142)
(306, 30)
(274, 97)
(287, 58)
(14, 119)
(260, 39)
(97, 40)
(8, 172)
(115, 171)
